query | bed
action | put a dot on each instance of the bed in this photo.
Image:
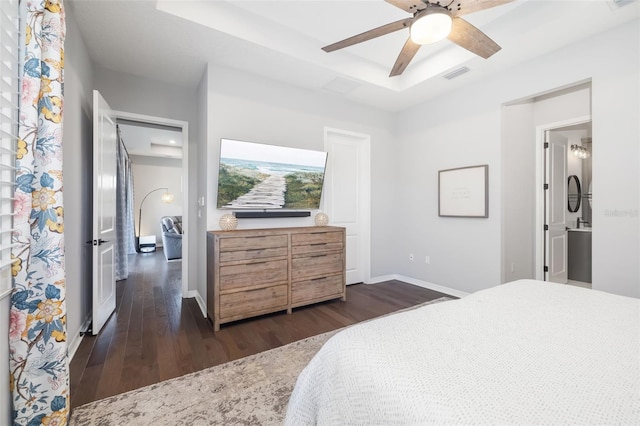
(525, 352)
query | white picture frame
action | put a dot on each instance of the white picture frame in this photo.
(463, 192)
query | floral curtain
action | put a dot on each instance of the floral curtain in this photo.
(38, 361)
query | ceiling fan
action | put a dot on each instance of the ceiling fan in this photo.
(431, 22)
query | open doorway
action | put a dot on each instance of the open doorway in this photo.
(158, 150)
(567, 202)
(155, 154)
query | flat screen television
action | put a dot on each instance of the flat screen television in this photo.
(264, 177)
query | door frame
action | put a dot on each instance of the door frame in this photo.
(364, 185)
(540, 195)
(184, 127)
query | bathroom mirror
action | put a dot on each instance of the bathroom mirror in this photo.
(574, 193)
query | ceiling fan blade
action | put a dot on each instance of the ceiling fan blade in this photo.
(406, 55)
(466, 35)
(368, 35)
(464, 7)
(410, 6)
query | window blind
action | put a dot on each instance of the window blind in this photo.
(9, 104)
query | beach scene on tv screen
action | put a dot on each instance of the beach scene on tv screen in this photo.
(259, 176)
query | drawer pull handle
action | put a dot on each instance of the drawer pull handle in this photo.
(319, 244)
(318, 279)
(319, 255)
(257, 263)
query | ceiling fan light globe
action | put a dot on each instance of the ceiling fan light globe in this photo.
(432, 26)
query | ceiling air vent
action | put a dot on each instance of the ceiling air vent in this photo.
(455, 73)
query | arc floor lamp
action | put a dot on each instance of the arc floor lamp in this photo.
(167, 198)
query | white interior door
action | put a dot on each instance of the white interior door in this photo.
(104, 212)
(346, 196)
(556, 238)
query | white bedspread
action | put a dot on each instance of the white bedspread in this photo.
(526, 352)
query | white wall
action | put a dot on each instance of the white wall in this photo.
(518, 183)
(616, 154)
(78, 187)
(448, 133)
(245, 107)
(464, 128)
(150, 173)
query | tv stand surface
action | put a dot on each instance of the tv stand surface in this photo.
(259, 271)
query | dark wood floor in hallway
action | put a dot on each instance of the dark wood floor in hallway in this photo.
(156, 335)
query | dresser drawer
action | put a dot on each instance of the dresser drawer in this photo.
(319, 237)
(317, 265)
(232, 256)
(316, 248)
(253, 242)
(252, 274)
(316, 242)
(317, 288)
(246, 303)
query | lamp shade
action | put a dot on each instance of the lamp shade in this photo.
(167, 197)
(430, 26)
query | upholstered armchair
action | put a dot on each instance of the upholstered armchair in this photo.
(172, 237)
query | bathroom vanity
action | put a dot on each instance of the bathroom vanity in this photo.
(580, 254)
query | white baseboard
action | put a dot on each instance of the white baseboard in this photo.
(199, 300)
(381, 279)
(419, 283)
(74, 344)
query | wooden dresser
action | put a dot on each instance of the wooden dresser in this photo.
(259, 271)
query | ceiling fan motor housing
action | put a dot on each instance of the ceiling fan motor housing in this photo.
(431, 24)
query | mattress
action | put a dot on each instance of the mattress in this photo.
(525, 352)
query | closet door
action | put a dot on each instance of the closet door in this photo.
(346, 197)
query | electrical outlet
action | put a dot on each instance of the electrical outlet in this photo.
(411, 257)
(427, 260)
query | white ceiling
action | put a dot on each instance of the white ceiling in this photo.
(151, 141)
(173, 40)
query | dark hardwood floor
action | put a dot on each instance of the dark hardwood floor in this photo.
(156, 335)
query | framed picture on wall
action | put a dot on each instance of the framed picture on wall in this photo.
(463, 192)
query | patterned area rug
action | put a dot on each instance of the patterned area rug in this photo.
(253, 390)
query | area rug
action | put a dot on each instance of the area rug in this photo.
(253, 390)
